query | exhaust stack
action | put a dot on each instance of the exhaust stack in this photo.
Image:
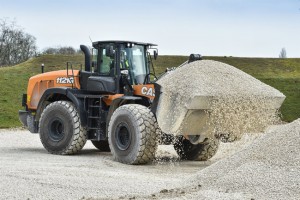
(87, 56)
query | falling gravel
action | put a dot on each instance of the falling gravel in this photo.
(229, 101)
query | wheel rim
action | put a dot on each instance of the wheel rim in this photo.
(122, 136)
(56, 130)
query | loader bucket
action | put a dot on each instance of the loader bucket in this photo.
(193, 100)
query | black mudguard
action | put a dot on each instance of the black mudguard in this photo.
(122, 101)
(155, 102)
(53, 94)
(23, 117)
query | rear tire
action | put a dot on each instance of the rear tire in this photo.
(132, 134)
(102, 145)
(201, 152)
(60, 129)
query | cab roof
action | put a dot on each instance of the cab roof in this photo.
(122, 42)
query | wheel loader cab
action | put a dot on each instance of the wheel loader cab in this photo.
(117, 64)
(102, 78)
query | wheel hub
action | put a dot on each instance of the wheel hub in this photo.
(123, 136)
(56, 130)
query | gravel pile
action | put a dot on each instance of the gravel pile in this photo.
(238, 103)
(269, 168)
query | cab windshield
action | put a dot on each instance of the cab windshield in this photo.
(133, 59)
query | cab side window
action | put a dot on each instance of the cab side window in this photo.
(94, 59)
(106, 63)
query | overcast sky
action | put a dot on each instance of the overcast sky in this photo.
(248, 28)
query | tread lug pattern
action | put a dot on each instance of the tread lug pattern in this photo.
(148, 129)
(79, 133)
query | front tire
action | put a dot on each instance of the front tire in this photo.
(132, 134)
(60, 129)
(201, 152)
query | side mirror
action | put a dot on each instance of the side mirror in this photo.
(109, 51)
(155, 54)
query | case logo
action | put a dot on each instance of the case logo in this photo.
(148, 91)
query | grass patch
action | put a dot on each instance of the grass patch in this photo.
(290, 108)
(265, 67)
(283, 74)
(13, 81)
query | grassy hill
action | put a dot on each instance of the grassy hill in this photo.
(283, 74)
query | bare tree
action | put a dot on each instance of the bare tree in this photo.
(15, 45)
(282, 53)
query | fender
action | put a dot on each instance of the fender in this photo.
(56, 94)
(122, 101)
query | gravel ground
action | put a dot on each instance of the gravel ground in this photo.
(259, 166)
(28, 171)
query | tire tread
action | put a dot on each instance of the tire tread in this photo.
(148, 129)
(80, 135)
